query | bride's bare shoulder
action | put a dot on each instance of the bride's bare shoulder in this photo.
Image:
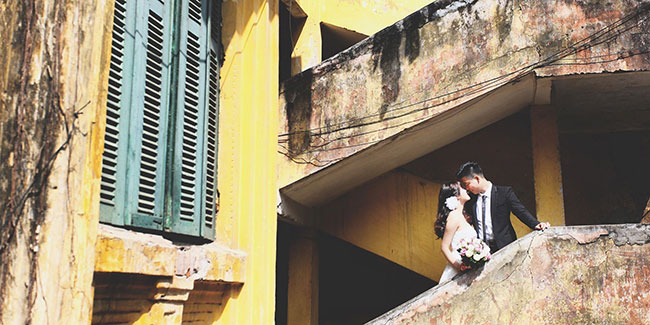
(455, 216)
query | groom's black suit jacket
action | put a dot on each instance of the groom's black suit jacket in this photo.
(502, 201)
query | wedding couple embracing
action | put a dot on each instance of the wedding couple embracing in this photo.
(472, 207)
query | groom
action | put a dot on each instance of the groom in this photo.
(490, 208)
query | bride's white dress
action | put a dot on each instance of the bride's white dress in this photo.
(450, 271)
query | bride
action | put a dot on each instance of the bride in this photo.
(452, 225)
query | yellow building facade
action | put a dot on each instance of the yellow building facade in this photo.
(239, 285)
(82, 270)
(61, 264)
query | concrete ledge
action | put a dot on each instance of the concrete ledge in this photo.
(577, 275)
(124, 251)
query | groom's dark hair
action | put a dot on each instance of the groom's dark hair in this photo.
(469, 169)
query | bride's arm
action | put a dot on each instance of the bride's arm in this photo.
(450, 230)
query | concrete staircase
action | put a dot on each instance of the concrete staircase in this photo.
(564, 275)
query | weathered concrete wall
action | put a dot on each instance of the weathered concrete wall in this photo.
(574, 275)
(53, 67)
(450, 50)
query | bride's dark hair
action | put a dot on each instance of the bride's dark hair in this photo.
(446, 191)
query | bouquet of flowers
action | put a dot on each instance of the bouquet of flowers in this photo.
(474, 252)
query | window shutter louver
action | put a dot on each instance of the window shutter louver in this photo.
(188, 164)
(149, 118)
(113, 178)
(212, 121)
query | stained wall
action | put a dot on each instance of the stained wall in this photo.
(576, 275)
(446, 53)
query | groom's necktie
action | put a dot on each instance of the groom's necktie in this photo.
(483, 197)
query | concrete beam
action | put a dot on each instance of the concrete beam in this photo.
(451, 48)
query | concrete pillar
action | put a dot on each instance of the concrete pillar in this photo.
(303, 279)
(546, 164)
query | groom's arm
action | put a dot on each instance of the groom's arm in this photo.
(520, 210)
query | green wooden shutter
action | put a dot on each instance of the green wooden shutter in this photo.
(138, 139)
(114, 163)
(149, 117)
(212, 121)
(188, 163)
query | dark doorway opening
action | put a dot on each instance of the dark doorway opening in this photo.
(282, 273)
(336, 39)
(604, 125)
(357, 286)
(354, 285)
(605, 177)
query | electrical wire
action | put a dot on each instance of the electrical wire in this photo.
(602, 36)
(571, 49)
(317, 148)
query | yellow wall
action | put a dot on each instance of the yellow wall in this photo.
(248, 125)
(246, 222)
(391, 216)
(546, 163)
(362, 16)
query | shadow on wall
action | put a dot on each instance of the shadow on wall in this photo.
(235, 19)
(207, 301)
(129, 298)
(122, 298)
(356, 285)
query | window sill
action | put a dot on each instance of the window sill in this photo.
(125, 251)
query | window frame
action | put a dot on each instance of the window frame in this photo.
(150, 57)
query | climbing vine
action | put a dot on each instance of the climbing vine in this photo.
(31, 134)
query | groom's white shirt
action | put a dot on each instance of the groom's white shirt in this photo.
(488, 214)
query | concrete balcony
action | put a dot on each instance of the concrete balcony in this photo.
(565, 275)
